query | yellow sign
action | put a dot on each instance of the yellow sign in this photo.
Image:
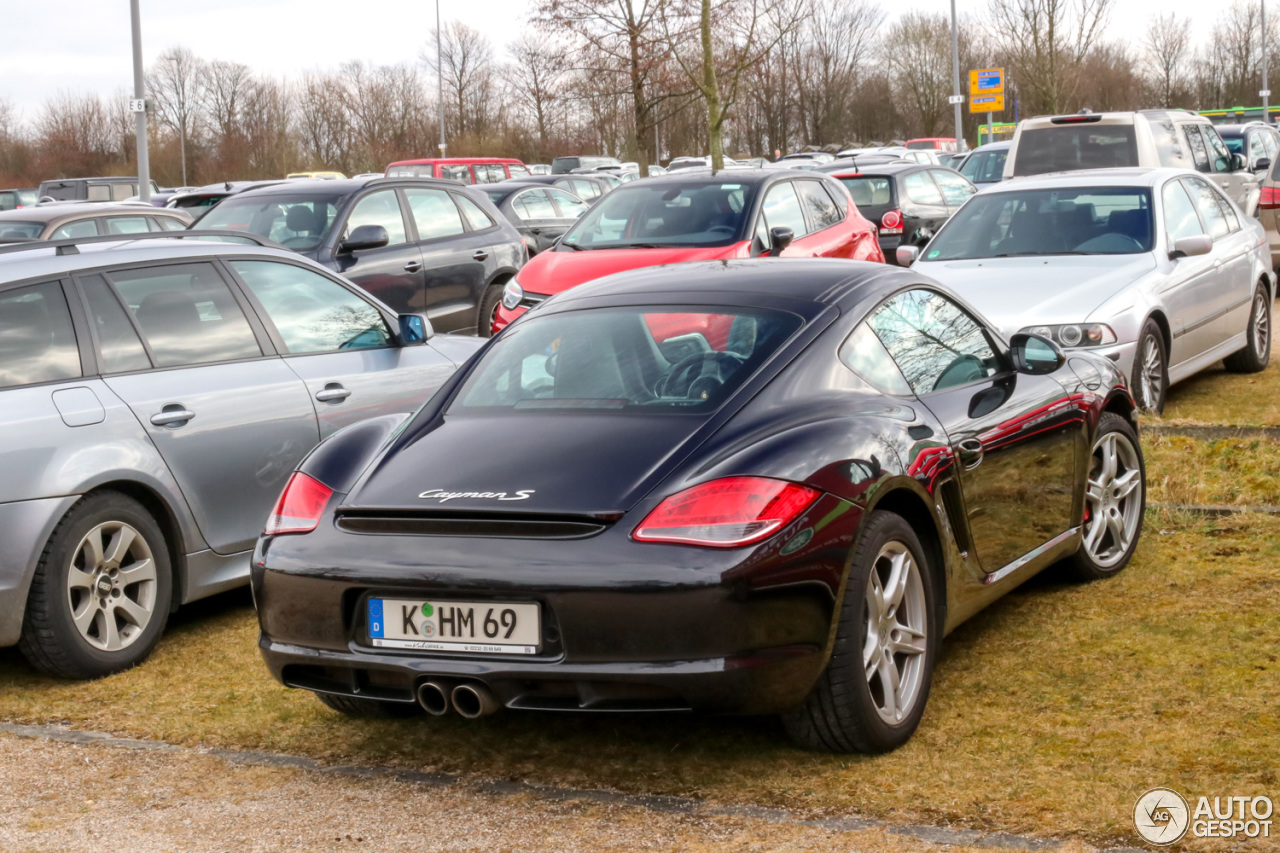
(986, 103)
(986, 81)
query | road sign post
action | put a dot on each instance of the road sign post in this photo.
(986, 93)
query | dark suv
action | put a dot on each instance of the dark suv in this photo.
(420, 245)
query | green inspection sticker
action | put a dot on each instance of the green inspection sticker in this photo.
(935, 253)
(427, 609)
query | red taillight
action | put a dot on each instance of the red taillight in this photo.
(299, 507)
(891, 222)
(1270, 198)
(726, 513)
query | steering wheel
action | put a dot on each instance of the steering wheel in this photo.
(681, 379)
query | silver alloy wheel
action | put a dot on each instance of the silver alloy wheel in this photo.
(1113, 499)
(1152, 378)
(111, 586)
(897, 632)
(1261, 325)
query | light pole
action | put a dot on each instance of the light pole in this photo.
(140, 109)
(439, 81)
(1266, 93)
(956, 98)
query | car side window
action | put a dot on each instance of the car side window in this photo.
(168, 223)
(474, 214)
(120, 192)
(379, 208)
(933, 341)
(865, 355)
(822, 210)
(312, 313)
(1228, 211)
(1219, 156)
(76, 230)
(921, 189)
(126, 224)
(186, 313)
(533, 204)
(461, 174)
(1180, 219)
(1199, 153)
(434, 213)
(1270, 142)
(782, 209)
(955, 189)
(119, 346)
(571, 207)
(1206, 202)
(37, 340)
(588, 190)
(98, 192)
(1257, 150)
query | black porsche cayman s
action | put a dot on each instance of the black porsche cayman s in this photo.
(766, 486)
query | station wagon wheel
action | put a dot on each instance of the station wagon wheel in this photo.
(100, 596)
(872, 694)
(1115, 500)
(1150, 375)
(1257, 351)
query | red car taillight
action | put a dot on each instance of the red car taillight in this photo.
(891, 222)
(726, 513)
(300, 506)
(1270, 198)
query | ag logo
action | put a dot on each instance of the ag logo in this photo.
(1161, 816)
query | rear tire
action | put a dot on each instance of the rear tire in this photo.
(1149, 378)
(488, 310)
(1257, 352)
(101, 593)
(1115, 502)
(368, 709)
(849, 710)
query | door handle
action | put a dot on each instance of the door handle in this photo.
(333, 393)
(970, 453)
(480, 254)
(412, 266)
(172, 416)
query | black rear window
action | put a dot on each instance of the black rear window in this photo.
(1070, 147)
(297, 222)
(657, 359)
(870, 190)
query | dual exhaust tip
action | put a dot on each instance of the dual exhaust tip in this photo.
(470, 699)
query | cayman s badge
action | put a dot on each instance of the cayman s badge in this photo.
(444, 497)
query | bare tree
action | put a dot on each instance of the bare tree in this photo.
(1046, 41)
(839, 40)
(537, 76)
(324, 125)
(918, 51)
(1166, 49)
(466, 63)
(176, 84)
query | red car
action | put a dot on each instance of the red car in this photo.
(697, 217)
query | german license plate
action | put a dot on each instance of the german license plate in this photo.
(480, 627)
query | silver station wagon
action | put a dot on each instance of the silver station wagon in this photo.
(155, 396)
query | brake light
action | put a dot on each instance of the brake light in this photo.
(300, 506)
(1270, 198)
(891, 222)
(1076, 119)
(726, 513)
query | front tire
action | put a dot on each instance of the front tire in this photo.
(1115, 501)
(101, 592)
(872, 694)
(1150, 375)
(1257, 352)
(488, 310)
(368, 709)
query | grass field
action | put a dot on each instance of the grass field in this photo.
(1051, 711)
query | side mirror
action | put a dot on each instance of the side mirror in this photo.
(1188, 247)
(364, 237)
(906, 255)
(780, 237)
(1035, 355)
(1263, 164)
(414, 328)
(1237, 162)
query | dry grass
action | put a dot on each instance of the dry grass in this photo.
(1191, 472)
(1050, 712)
(1215, 396)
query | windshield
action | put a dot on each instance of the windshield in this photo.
(20, 230)
(649, 216)
(1235, 144)
(297, 222)
(985, 167)
(1068, 147)
(654, 359)
(1076, 221)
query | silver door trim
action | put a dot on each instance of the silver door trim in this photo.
(1028, 557)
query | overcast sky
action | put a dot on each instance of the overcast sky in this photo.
(83, 45)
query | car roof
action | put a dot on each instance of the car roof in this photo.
(457, 161)
(42, 260)
(551, 179)
(812, 282)
(1115, 177)
(737, 176)
(991, 146)
(61, 210)
(342, 186)
(887, 167)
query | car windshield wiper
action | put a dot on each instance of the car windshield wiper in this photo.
(1034, 254)
(573, 246)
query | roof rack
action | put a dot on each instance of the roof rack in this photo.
(71, 246)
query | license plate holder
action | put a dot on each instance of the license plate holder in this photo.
(441, 625)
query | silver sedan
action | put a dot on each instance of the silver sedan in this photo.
(1154, 268)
